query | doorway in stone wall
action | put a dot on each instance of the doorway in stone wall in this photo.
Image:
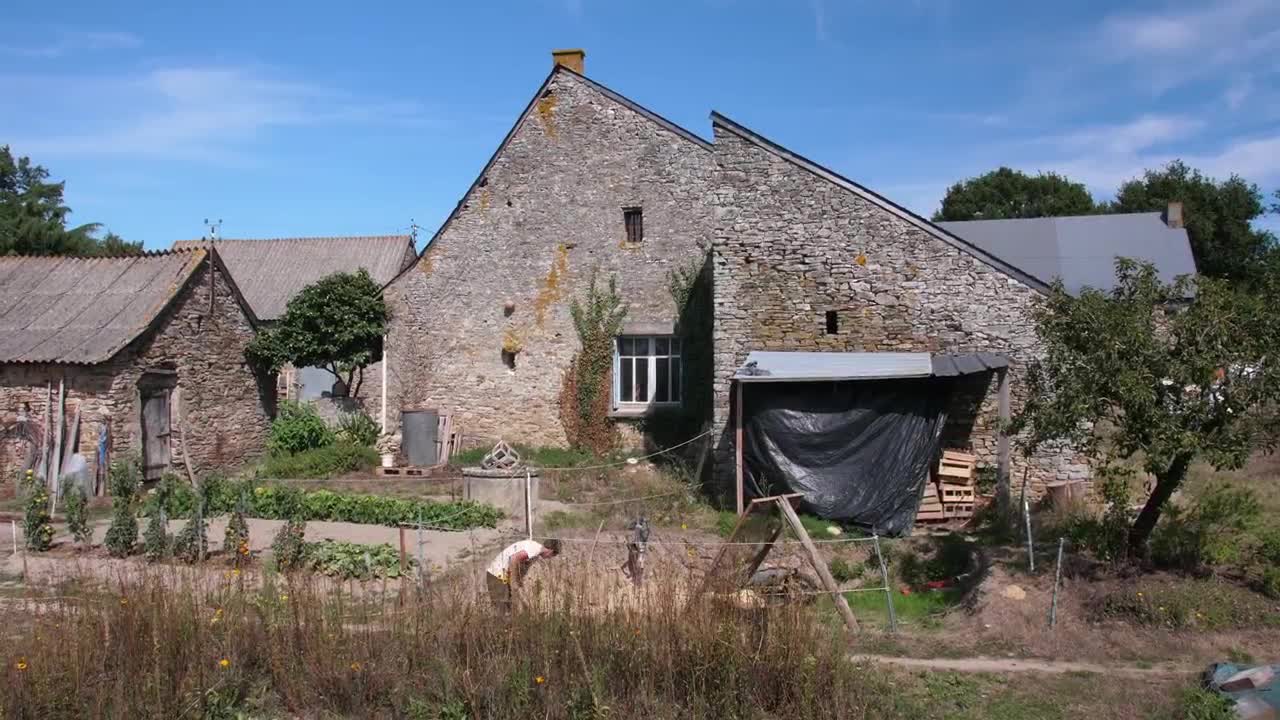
(155, 394)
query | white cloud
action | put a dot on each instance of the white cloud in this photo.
(1239, 91)
(204, 113)
(70, 41)
(1126, 138)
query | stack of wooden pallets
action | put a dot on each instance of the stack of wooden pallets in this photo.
(953, 496)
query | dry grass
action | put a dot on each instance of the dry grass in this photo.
(152, 645)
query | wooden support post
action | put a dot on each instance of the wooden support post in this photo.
(737, 445)
(820, 567)
(404, 559)
(1002, 443)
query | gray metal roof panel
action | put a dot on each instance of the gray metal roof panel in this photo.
(269, 272)
(803, 366)
(1082, 250)
(84, 310)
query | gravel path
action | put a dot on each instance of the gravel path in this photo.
(1004, 665)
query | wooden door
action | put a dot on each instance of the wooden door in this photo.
(155, 432)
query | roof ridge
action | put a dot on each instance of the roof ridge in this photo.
(405, 236)
(928, 226)
(115, 256)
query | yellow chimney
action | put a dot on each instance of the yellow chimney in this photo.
(572, 59)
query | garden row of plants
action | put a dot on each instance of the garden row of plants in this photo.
(284, 502)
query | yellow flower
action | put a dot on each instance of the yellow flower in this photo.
(224, 663)
(284, 598)
(539, 679)
(21, 664)
(1139, 594)
(684, 526)
(214, 621)
(124, 601)
(355, 667)
(236, 572)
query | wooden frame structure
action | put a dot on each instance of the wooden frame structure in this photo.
(738, 571)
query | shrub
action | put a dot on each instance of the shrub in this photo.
(341, 457)
(1202, 704)
(77, 509)
(156, 542)
(353, 561)
(235, 540)
(288, 546)
(298, 427)
(37, 524)
(191, 544)
(1210, 533)
(844, 571)
(357, 428)
(123, 478)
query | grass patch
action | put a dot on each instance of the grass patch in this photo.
(322, 462)
(1187, 604)
(919, 609)
(537, 456)
(564, 519)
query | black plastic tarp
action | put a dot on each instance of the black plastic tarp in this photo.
(858, 451)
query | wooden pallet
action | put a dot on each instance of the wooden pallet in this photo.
(957, 509)
(931, 509)
(403, 471)
(957, 467)
(958, 493)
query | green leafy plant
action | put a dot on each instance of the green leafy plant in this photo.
(584, 392)
(156, 541)
(289, 547)
(352, 560)
(1156, 373)
(843, 571)
(235, 539)
(123, 478)
(77, 510)
(357, 428)
(298, 427)
(322, 462)
(1203, 704)
(336, 323)
(37, 524)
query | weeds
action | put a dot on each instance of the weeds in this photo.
(321, 462)
(163, 646)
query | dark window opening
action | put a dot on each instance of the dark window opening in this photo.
(633, 218)
(833, 322)
(509, 359)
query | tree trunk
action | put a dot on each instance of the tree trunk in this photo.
(358, 374)
(1166, 483)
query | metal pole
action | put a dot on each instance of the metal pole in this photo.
(1026, 516)
(888, 592)
(737, 448)
(1057, 579)
(528, 503)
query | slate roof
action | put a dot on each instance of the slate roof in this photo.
(85, 310)
(269, 272)
(1082, 250)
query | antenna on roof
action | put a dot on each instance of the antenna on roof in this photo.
(413, 233)
(211, 232)
(211, 229)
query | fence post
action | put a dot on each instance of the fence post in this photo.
(1057, 579)
(884, 577)
(528, 503)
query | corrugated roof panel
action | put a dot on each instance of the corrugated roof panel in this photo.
(80, 310)
(270, 272)
(815, 366)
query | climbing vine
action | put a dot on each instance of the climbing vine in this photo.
(584, 393)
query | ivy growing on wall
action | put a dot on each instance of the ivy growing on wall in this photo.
(584, 392)
(690, 289)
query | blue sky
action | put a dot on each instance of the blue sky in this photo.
(319, 118)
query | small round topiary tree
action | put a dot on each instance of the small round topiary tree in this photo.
(77, 506)
(124, 477)
(37, 524)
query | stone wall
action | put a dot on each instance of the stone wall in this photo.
(790, 245)
(217, 397)
(546, 215)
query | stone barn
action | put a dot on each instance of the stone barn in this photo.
(148, 351)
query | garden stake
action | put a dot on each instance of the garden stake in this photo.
(1026, 516)
(1057, 578)
(888, 593)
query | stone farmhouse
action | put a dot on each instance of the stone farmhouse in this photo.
(590, 184)
(271, 271)
(149, 351)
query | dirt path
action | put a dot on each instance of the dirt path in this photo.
(1006, 665)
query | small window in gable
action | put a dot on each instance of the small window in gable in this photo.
(633, 219)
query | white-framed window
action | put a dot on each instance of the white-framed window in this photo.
(647, 371)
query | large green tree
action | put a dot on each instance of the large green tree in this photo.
(336, 323)
(1008, 193)
(1158, 375)
(33, 217)
(1218, 217)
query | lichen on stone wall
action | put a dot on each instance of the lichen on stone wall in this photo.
(551, 288)
(546, 111)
